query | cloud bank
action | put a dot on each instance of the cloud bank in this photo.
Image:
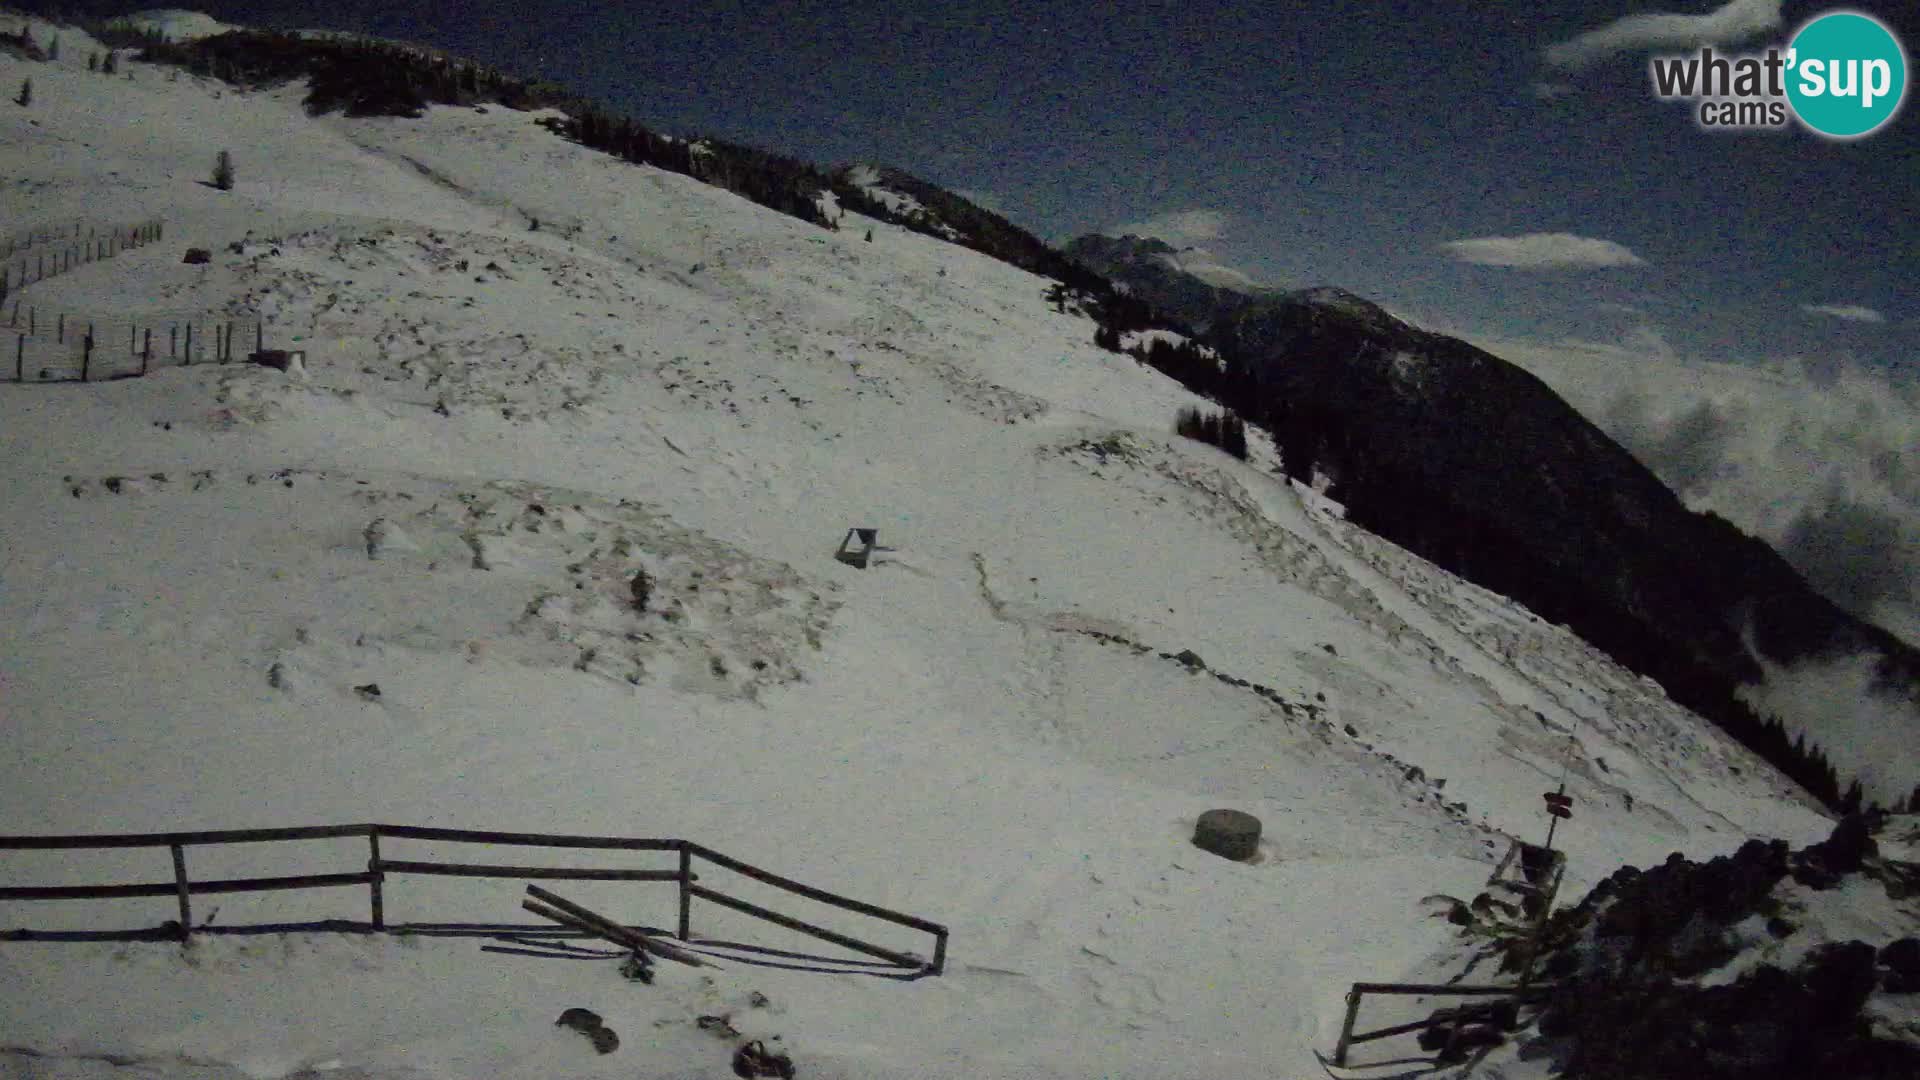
(1179, 227)
(1541, 251)
(1188, 230)
(1849, 312)
(1731, 23)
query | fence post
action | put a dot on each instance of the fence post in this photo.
(188, 355)
(373, 886)
(229, 343)
(133, 337)
(180, 886)
(60, 335)
(146, 353)
(86, 353)
(686, 891)
(1346, 1029)
(173, 343)
(20, 358)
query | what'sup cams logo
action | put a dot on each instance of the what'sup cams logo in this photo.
(1843, 76)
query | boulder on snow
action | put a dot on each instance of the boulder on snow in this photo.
(198, 256)
(1902, 961)
(1230, 834)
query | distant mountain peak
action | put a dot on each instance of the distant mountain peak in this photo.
(1353, 305)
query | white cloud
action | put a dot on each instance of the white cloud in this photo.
(1178, 227)
(1541, 251)
(1849, 312)
(1735, 21)
(1811, 454)
(1201, 264)
(1185, 229)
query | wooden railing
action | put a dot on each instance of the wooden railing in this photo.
(1348, 1037)
(184, 887)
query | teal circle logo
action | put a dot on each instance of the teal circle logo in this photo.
(1846, 74)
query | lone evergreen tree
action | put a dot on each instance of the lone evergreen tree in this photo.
(93, 62)
(223, 172)
(111, 65)
(53, 49)
(26, 93)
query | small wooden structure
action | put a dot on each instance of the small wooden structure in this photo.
(859, 557)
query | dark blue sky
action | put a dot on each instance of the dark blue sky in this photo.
(1330, 142)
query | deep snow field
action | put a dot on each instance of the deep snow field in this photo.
(980, 729)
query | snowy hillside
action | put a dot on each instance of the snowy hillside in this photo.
(533, 371)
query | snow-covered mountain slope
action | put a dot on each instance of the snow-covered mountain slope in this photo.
(499, 425)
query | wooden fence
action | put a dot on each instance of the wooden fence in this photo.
(56, 346)
(373, 878)
(1348, 1037)
(38, 255)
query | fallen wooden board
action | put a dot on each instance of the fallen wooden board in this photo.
(603, 927)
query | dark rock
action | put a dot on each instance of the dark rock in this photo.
(1902, 960)
(368, 692)
(579, 1019)
(1230, 834)
(1190, 658)
(198, 256)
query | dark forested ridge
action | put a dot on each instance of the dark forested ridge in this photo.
(1475, 464)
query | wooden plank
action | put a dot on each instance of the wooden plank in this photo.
(172, 888)
(614, 931)
(87, 892)
(820, 932)
(399, 866)
(415, 832)
(271, 884)
(686, 896)
(1443, 989)
(376, 878)
(812, 893)
(229, 836)
(180, 883)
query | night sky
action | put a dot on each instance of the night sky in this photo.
(1298, 144)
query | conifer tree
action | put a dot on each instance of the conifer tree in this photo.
(223, 171)
(26, 93)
